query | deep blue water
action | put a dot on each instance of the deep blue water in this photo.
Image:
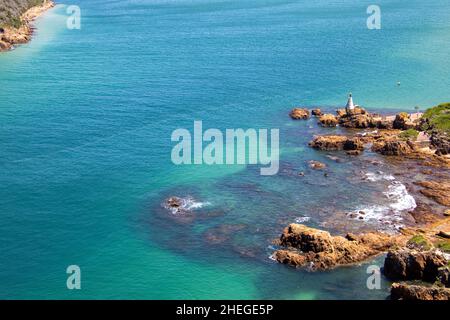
(86, 118)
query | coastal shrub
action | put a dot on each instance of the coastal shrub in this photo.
(409, 134)
(11, 10)
(437, 118)
(444, 246)
(419, 241)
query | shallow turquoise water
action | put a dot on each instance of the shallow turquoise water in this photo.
(86, 117)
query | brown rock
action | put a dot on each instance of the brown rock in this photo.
(413, 265)
(392, 147)
(403, 121)
(329, 143)
(318, 250)
(317, 165)
(439, 191)
(354, 152)
(441, 141)
(306, 239)
(443, 234)
(341, 112)
(299, 114)
(404, 291)
(444, 276)
(316, 112)
(328, 120)
(353, 144)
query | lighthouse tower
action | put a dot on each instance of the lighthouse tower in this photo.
(350, 106)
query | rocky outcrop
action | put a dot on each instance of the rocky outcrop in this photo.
(439, 191)
(441, 142)
(393, 147)
(17, 29)
(409, 264)
(335, 143)
(328, 120)
(299, 114)
(353, 144)
(341, 113)
(318, 250)
(328, 143)
(403, 122)
(405, 291)
(316, 112)
(444, 276)
(357, 118)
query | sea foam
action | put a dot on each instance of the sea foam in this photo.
(390, 215)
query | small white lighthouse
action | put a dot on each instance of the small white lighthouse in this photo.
(350, 106)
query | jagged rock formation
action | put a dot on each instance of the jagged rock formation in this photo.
(335, 143)
(393, 147)
(439, 191)
(406, 291)
(403, 122)
(318, 250)
(413, 265)
(328, 120)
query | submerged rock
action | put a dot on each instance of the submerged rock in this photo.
(317, 165)
(318, 250)
(299, 114)
(222, 233)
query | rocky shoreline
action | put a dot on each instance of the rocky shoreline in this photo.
(11, 36)
(414, 253)
(416, 249)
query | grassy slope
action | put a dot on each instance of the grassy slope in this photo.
(11, 10)
(438, 117)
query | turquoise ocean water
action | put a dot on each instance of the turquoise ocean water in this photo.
(85, 123)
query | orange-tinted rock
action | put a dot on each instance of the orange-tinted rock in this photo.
(299, 114)
(439, 191)
(405, 291)
(318, 250)
(328, 143)
(392, 147)
(413, 265)
(328, 120)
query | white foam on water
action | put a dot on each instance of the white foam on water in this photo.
(401, 199)
(187, 204)
(378, 176)
(389, 216)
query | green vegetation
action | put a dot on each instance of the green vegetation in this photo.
(444, 246)
(11, 10)
(409, 134)
(437, 118)
(419, 241)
